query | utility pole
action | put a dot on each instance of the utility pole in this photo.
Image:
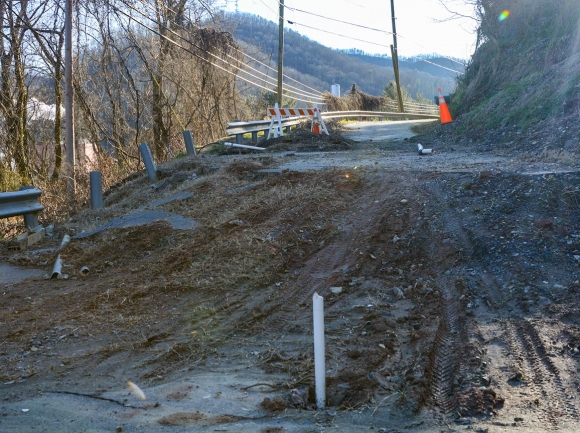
(395, 56)
(69, 108)
(280, 52)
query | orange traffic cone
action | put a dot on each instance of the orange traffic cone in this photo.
(443, 110)
(315, 126)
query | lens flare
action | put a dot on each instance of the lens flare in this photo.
(504, 15)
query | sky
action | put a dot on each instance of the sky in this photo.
(423, 26)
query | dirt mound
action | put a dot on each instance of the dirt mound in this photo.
(306, 141)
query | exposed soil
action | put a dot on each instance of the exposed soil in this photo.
(451, 292)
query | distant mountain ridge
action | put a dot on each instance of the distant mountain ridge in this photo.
(432, 64)
(319, 67)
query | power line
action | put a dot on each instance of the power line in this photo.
(276, 13)
(435, 64)
(363, 7)
(340, 21)
(297, 91)
(224, 61)
(381, 45)
(273, 69)
(440, 55)
(195, 54)
(364, 27)
(338, 34)
(257, 61)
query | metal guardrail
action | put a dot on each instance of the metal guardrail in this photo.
(23, 202)
(377, 115)
(240, 128)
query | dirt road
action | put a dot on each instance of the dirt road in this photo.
(451, 285)
(381, 131)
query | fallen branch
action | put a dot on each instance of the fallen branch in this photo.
(96, 397)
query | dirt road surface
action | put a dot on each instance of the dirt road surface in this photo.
(381, 131)
(451, 287)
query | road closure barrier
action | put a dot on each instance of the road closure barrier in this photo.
(276, 113)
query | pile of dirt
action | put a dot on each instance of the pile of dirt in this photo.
(306, 141)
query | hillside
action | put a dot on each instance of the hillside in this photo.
(320, 67)
(522, 86)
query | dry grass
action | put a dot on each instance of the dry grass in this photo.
(254, 229)
(355, 100)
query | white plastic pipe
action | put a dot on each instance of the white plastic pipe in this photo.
(57, 269)
(423, 151)
(65, 240)
(244, 146)
(319, 355)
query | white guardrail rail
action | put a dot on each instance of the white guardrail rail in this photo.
(418, 112)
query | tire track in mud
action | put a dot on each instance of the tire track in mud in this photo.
(320, 270)
(444, 361)
(539, 373)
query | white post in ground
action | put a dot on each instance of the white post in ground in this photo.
(319, 352)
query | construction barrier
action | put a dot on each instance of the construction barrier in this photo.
(276, 113)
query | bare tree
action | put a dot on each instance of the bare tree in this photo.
(141, 74)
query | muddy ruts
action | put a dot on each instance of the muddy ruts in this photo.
(539, 373)
(340, 256)
(444, 360)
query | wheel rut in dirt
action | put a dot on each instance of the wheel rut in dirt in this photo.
(444, 359)
(333, 264)
(538, 373)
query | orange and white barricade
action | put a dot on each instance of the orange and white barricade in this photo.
(276, 113)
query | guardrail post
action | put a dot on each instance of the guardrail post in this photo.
(239, 138)
(148, 161)
(287, 130)
(189, 147)
(254, 136)
(31, 219)
(96, 182)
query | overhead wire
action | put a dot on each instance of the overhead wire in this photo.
(298, 90)
(338, 34)
(340, 21)
(360, 26)
(361, 6)
(116, 9)
(293, 22)
(256, 60)
(451, 59)
(435, 64)
(292, 94)
(276, 13)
